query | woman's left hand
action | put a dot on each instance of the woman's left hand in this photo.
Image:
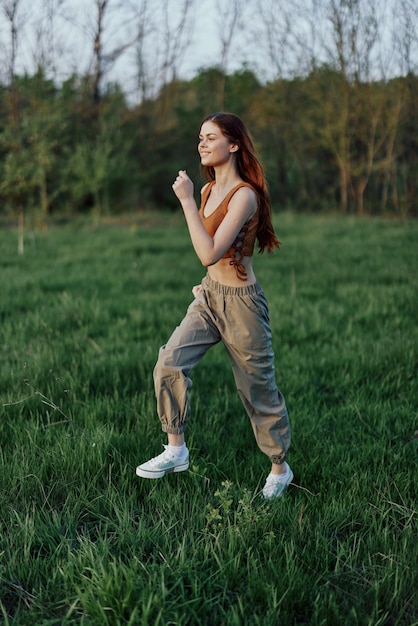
(183, 186)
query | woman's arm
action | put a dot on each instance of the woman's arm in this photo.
(241, 208)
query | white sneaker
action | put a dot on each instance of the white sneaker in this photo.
(277, 483)
(164, 463)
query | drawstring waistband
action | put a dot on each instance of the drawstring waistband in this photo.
(227, 290)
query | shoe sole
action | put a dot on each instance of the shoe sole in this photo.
(147, 474)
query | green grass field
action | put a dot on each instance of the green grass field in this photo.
(84, 541)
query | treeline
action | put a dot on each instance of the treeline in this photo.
(326, 143)
(98, 113)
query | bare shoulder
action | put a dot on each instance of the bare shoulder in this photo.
(202, 191)
(244, 198)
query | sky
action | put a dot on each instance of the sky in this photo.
(61, 39)
(69, 35)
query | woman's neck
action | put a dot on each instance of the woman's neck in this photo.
(226, 178)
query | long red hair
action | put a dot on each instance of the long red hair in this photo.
(250, 170)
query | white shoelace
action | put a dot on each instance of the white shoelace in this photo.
(167, 455)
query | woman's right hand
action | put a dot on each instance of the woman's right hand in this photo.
(183, 187)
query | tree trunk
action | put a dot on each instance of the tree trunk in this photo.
(20, 232)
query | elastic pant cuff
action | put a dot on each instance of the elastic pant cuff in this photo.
(278, 460)
(173, 430)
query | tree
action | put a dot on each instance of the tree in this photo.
(164, 30)
(339, 42)
(272, 28)
(231, 19)
(105, 29)
(10, 9)
(403, 174)
(48, 36)
(30, 148)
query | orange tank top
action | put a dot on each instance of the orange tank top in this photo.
(245, 241)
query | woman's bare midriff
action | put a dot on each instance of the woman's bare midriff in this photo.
(223, 272)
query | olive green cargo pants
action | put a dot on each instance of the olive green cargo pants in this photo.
(237, 316)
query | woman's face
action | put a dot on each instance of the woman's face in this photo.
(214, 148)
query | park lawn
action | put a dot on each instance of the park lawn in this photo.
(84, 541)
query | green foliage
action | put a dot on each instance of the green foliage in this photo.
(326, 142)
(84, 541)
(29, 145)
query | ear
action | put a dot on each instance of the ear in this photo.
(234, 147)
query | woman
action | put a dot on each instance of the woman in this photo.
(229, 305)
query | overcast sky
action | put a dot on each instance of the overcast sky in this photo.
(65, 43)
(61, 39)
